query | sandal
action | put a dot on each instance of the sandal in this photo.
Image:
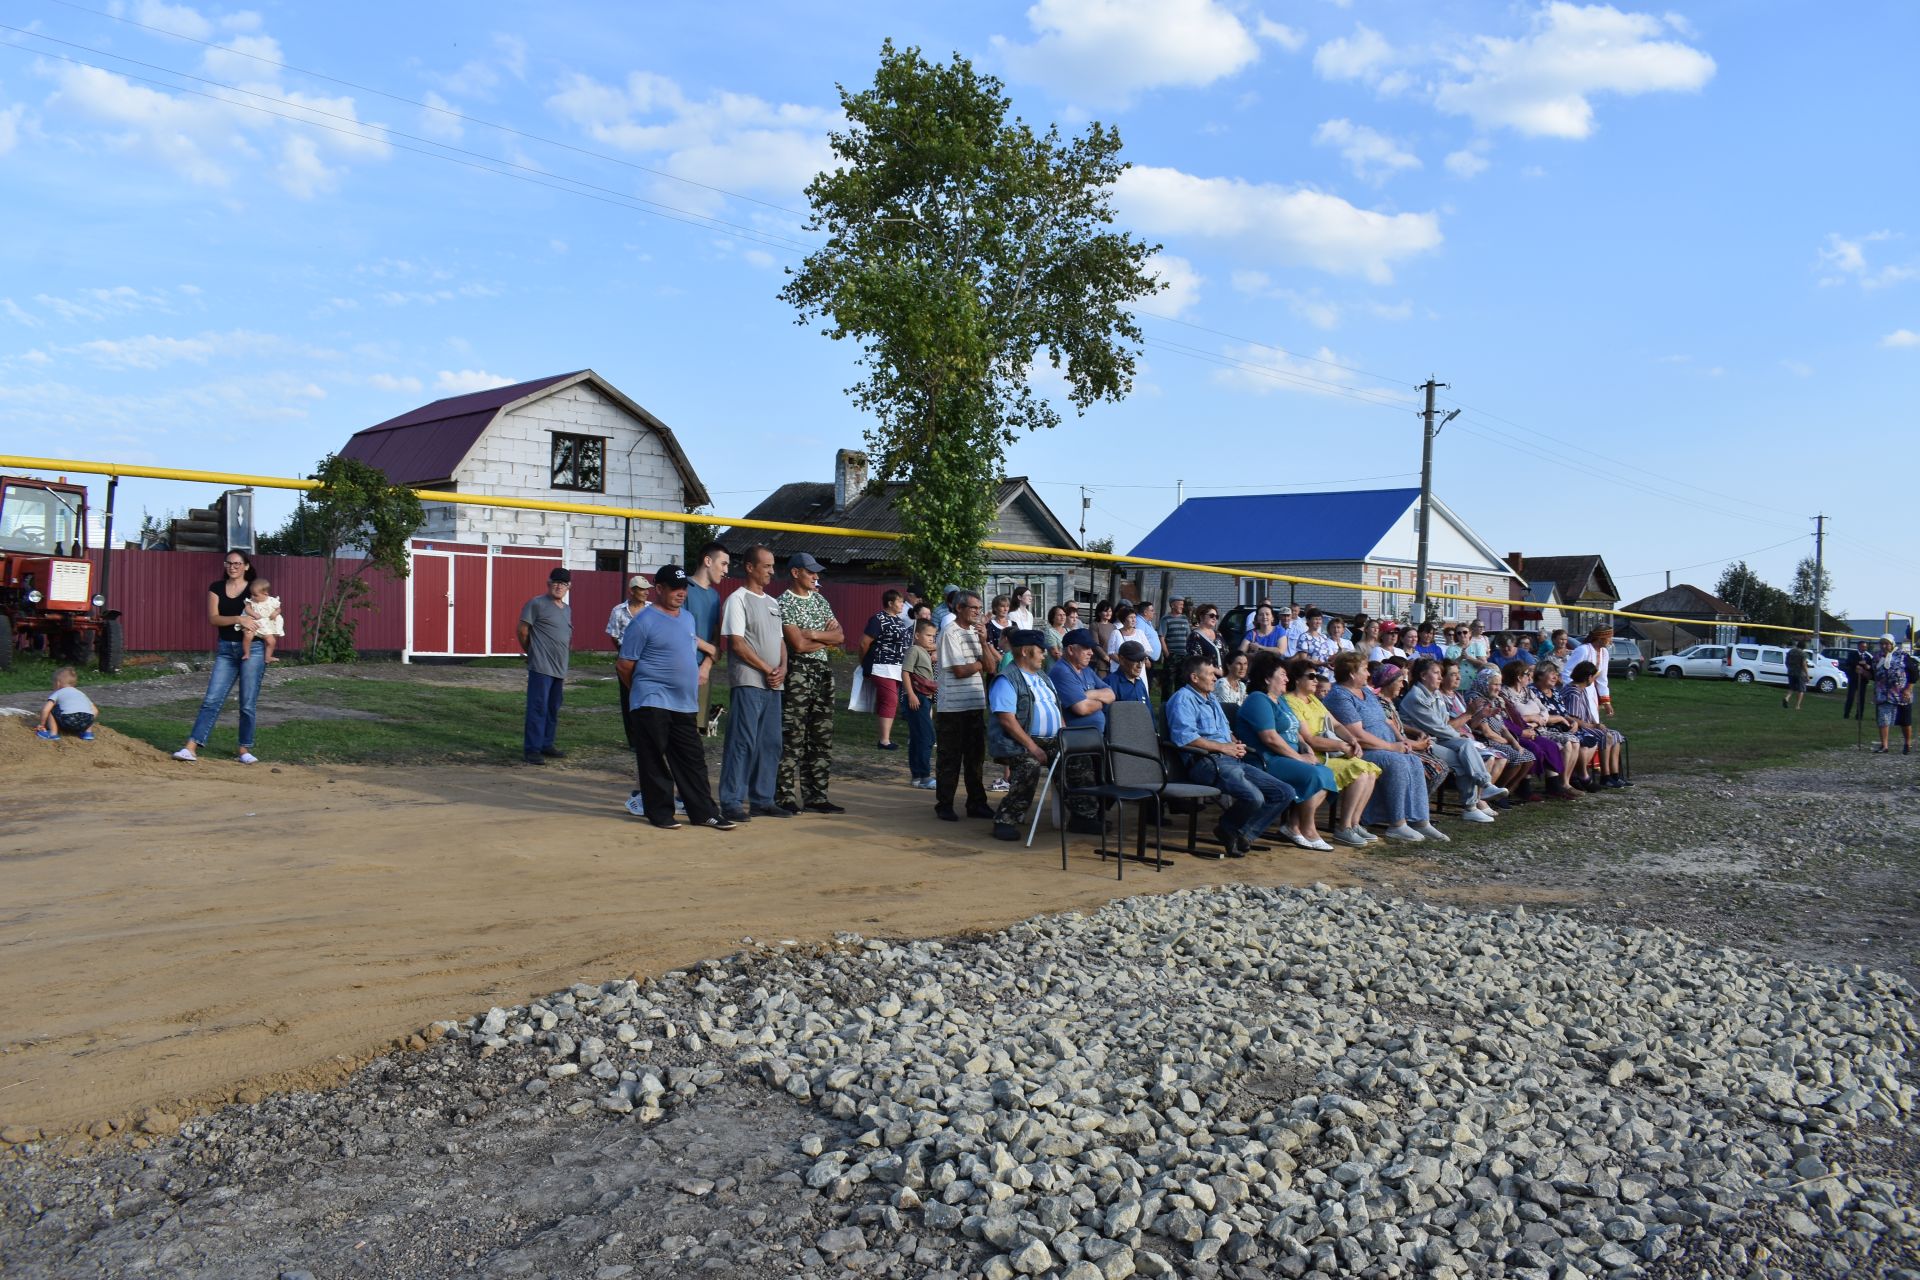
(184, 754)
(247, 757)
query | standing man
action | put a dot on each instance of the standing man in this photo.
(757, 670)
(1197, 725)
(546, 637)
(623, 614)
(1084, 698)
(943, 612)
(960, 732)
(1796, 693)
(703, 602)
(1296, 625)
(660, 660)
(1026, 728)
(806, 722)
(1893, 695)
(1859, 682)
(1175, 631)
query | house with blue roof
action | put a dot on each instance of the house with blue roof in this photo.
(1365, 536)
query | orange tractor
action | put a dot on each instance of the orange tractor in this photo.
(48, 598)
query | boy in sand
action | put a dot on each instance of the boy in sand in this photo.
(265, 609)
(67, 708)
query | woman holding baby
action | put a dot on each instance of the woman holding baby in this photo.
(242, 622)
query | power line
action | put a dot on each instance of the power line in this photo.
(579, 187)
(428, 106)
(1298, 355)
(1278, 375)
(1705, 564)
(1300, 484)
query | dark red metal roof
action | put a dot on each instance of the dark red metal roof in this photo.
(424, 445)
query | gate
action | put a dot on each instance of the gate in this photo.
(451, 593)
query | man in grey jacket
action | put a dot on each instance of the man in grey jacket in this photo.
(1424, 707)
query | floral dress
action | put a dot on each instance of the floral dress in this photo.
(1437, 769)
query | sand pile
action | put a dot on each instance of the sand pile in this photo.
(24, 756)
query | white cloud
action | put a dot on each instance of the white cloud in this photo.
(730, 140)
(99, 304)
(1468, 162)
(19, 314)
(433, 297)
(1798, 368)
(1292, 39)
(1901, 338)
(54, 410)
(465, 380)
(1314, 307)
(1182, 292)
(1371, 155)
(156, 351)
(1287, 226)
(10, 126)
(1265, 370)
(1364, 56)
(37, 357)
(387, 382)
(1105, 51)
(177, 18)
(435, 120)
(1542, 84)
(479, 77)
(206, 140)
(759, 258)
(1844, 259)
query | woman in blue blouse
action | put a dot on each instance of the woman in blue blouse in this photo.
(1271, 731)
(1400, 799)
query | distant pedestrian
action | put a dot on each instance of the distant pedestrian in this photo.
(617, 622)
(238, 655)
(546, 637)
(1893, 679)
(960, 748)
(661, 664)
(757, 672)
(703, 602)
(883, 655)
(1796, 693)
(1859, 682)
(806, 721)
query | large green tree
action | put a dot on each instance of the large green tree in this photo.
(962, 248)
(355, 513)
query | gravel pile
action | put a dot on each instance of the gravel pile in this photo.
(1223, 1082)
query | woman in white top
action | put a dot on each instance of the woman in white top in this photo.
(1231, 689)
(1022, 611)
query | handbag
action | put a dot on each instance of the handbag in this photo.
(885, 670)
(862, 697)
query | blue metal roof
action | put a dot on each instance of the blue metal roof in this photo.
(1269, 528)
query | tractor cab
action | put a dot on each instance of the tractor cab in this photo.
(47, 594)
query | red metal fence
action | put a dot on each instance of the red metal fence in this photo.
(162, 598)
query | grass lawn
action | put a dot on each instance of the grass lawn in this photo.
(33, 672)
(1718, 726)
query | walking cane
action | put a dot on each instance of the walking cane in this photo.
(1040, 801)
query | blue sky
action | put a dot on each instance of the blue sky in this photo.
(1668, 258)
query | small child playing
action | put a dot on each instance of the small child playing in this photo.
(265, 609)
(67, 708)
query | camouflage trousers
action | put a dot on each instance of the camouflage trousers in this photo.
(806, 734)
(1017, 804)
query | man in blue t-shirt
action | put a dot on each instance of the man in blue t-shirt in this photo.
(1084, 698)
(703, 602)
(1032, 739)
(1129, 678)
(661, 661)
(1197, 725)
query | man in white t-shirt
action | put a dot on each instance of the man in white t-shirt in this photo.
(964, 657)
(752, 632)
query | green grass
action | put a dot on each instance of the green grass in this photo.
(33, 672)
(1717, 726)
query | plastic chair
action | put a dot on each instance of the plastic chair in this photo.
(1088, 742)
(1138, 758)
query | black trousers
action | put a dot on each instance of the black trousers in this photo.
(669, 756)
(960, 751)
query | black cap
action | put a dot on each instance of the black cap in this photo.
(559, 575)
(1017, 638)
(1133, 651)
(670, 577)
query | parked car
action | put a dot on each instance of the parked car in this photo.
(1700, 662)
(1625, 659)
(1767, 664)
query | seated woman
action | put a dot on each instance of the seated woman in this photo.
(1580, 750)
(1271, 731)
(1389, 680)
(1400, 801)
(1479, 715)
(1579, 701)
(1340, 751)
(1205, 640)
(1232, 689)
(1424, 707)
(1266, 634)
(1527, 716)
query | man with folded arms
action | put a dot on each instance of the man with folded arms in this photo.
(1197, 725)
(1084, 698)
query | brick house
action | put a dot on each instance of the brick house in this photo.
(573, 437)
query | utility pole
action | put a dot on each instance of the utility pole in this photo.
(1819, 574)
(1086, 502)
(1428, 431)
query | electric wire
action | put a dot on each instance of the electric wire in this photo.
(1317, 385)
(1298, 355)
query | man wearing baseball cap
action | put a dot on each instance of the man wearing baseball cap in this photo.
(1129, 677)
(661, 663)
(806, 715)
(1084, 698)
(546, 637)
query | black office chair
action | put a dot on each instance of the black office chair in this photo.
(1088, 742)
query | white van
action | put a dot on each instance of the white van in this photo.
(1767, 663)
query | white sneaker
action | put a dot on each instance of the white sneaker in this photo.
(1299, 841)
(1353, 838)
(1432, 832)
(636, 806)
(1321, 845)
(184, 754)
(1475, 815)
(998, 784)
(1492, 793)
(1404, 834)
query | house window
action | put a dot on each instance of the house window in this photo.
(1450, 585)
(579, 462)
(610, 561)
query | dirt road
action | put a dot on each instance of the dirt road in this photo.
(180, 934)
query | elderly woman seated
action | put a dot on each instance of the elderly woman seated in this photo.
(1271, 730)
(1389, 680)
(1353, 776)
(1578, 700)
(1400, 801)
(1478, 712)
(1424, 707)
(1540, 729)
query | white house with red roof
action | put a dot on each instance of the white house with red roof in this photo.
(569, 438)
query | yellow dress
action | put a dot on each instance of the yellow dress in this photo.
(1315, 719)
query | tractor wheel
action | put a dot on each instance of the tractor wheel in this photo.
(112, 648)
(6, 642)
(76, 647)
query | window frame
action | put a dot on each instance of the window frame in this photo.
(555, 437)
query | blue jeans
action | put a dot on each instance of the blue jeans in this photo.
(1256, 798)
(230, 663)
(750, 761)
(543, 711)
(920, 738)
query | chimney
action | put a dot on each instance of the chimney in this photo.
(849, 477)
(1517, 562)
